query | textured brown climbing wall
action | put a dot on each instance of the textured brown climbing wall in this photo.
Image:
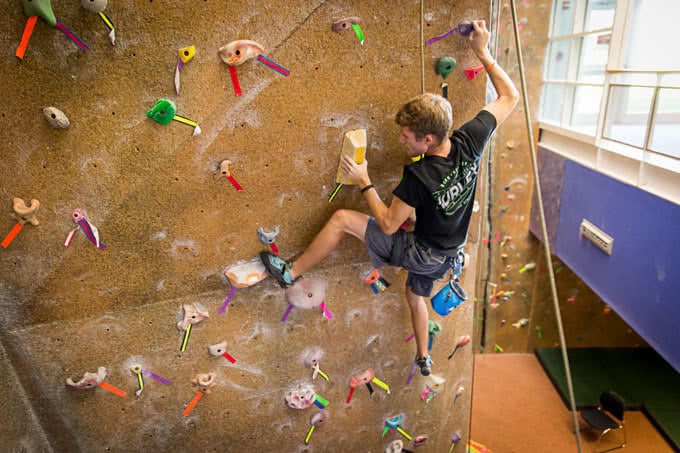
(586, 321)
(511, 245)
(171, 226)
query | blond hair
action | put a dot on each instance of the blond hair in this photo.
(427, 114)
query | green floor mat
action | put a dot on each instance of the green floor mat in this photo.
(640, 375)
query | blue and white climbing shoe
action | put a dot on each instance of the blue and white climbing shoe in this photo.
(425, 365)
(278, 268)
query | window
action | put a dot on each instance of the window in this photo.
(576, 60)
(611, 80)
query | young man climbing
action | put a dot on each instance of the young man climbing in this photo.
(440, 188)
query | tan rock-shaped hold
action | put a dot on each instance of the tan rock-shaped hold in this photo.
(56, 118)
(238, 52)
(218, 349)
(94, 6)
(396, 446)
(26, 212)
(193, 314)
(247, 273)
(204, 380)
(346, 23)
(307, 293)
(89, 380)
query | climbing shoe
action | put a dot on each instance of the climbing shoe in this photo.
(425, 365)
(278, 268)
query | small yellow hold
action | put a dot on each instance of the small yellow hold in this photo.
(510, 144)
(186, 53)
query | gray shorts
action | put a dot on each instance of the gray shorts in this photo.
(401, 249)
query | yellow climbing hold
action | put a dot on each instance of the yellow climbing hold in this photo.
(186, 53)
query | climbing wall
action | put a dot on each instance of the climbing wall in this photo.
(514, 311)
(588, 322)
(171, 223)
(505, 294)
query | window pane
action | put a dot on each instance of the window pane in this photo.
(627, 114)
(558, 59)
(599, 14)
(665, 137)
(594, 52)
(586, 109)
(551, 105)
(651, 41)
(563, 17)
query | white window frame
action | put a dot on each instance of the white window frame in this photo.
(649, 169)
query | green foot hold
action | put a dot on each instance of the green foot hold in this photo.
(41, 8)
(162, 112)
(445, 65)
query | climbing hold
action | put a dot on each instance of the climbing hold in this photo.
(527, 267)
(462, 340)
(376, 281)
(94, 6)
(300, 397)
(238, 52)
(185, 53)
(419, 441)
(247, 273)
(204, 381)
(317, 419)
(26, 212)
(89, 380)
(312, 357)
(396, 446)
(162, 112)
(268, 237)
(56, 118)
(346, 23)
(306, 293)
(445, 65)
(471, 73)
(363, 377)
(192, 314)
(89, 230)
(465, 28)
(521, 323)
(433, 328)
(224, 170)
(217, 349)
(41, 8)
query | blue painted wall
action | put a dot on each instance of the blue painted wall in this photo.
(641, 279)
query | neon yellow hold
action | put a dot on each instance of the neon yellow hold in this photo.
(186, 53)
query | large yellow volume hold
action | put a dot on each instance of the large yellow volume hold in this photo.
(354, 145)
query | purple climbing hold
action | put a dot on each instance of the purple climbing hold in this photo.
(465, 28)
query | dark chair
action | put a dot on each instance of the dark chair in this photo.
(607, 416)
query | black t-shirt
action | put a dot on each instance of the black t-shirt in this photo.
(442, 189)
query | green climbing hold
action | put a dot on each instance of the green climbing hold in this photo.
(41, 8)
(445, 65)
(433, 328)
(163, 111)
